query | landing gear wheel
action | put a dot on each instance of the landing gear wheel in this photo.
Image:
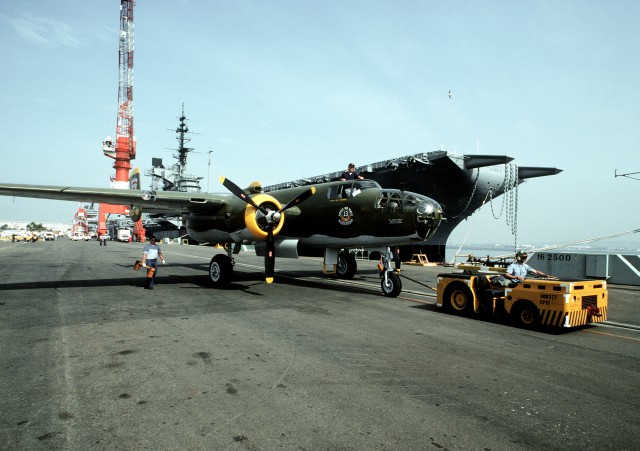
(525, 315)
(220, 270)
(459, 300)
(347, 266)
(391, 285)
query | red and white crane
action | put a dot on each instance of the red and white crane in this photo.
(80, 224)
(124, 148)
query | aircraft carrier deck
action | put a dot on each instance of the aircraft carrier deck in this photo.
(91, 360)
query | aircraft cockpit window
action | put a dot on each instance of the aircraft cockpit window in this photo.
(389, 199)
(350, 189)
(353, 190)
(411, 199)
(335, 192)
(396, 199)
(366, 184)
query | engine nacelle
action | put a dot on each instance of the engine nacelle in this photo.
(257, 222)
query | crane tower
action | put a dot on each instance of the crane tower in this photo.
(123, 150)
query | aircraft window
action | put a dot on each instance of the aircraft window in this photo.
(411, 199)
(350, 189)
(389, 199)
(400, 197)
(396, 200)
(335, 192)
(352, 192)
(366, 184)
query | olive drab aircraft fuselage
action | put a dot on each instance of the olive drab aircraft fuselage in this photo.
(327, 219)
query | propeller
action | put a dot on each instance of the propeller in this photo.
(239, 192)
(268, 221)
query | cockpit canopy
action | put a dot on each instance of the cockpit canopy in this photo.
(350, 188)
(394, 198)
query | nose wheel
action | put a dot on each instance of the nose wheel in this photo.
(390, 282)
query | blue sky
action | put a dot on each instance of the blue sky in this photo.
(280, 90)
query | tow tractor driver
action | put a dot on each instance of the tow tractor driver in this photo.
(518, 270)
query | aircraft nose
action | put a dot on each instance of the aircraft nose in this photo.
(428, 217)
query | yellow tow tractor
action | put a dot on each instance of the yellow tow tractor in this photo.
(532, 302)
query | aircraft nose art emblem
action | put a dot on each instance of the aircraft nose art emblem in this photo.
(345, 216)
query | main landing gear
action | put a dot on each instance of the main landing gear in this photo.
(221, 268)
(347, 266)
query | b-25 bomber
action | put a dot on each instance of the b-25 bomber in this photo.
(327, 219)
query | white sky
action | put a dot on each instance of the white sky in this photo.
(280, 90)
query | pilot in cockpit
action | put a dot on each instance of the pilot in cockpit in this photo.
(351, 174)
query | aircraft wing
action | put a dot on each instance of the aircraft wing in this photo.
(149, 201)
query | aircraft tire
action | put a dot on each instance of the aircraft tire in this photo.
(392, 286)
(220, 270)
(347, 266)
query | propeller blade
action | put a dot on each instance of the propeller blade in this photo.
(301, 198)
(239, 192)
(272, 218)
(269, 258)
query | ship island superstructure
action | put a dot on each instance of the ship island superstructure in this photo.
(176, 177)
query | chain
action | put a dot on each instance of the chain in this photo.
(475, 186)
(510, 200)
(490, 194)
(512, 216)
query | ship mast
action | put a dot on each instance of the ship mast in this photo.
(176, 177)
(182, 139)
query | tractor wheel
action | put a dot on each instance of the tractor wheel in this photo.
(525, 314)
(458, 299)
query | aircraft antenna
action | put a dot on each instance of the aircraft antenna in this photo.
(209, 170)
(629, 175)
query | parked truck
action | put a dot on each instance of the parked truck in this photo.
(123, 234)
(532, 302)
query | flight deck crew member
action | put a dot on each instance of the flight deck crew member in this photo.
(350, 173)
(518, 270)
(150, 255)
